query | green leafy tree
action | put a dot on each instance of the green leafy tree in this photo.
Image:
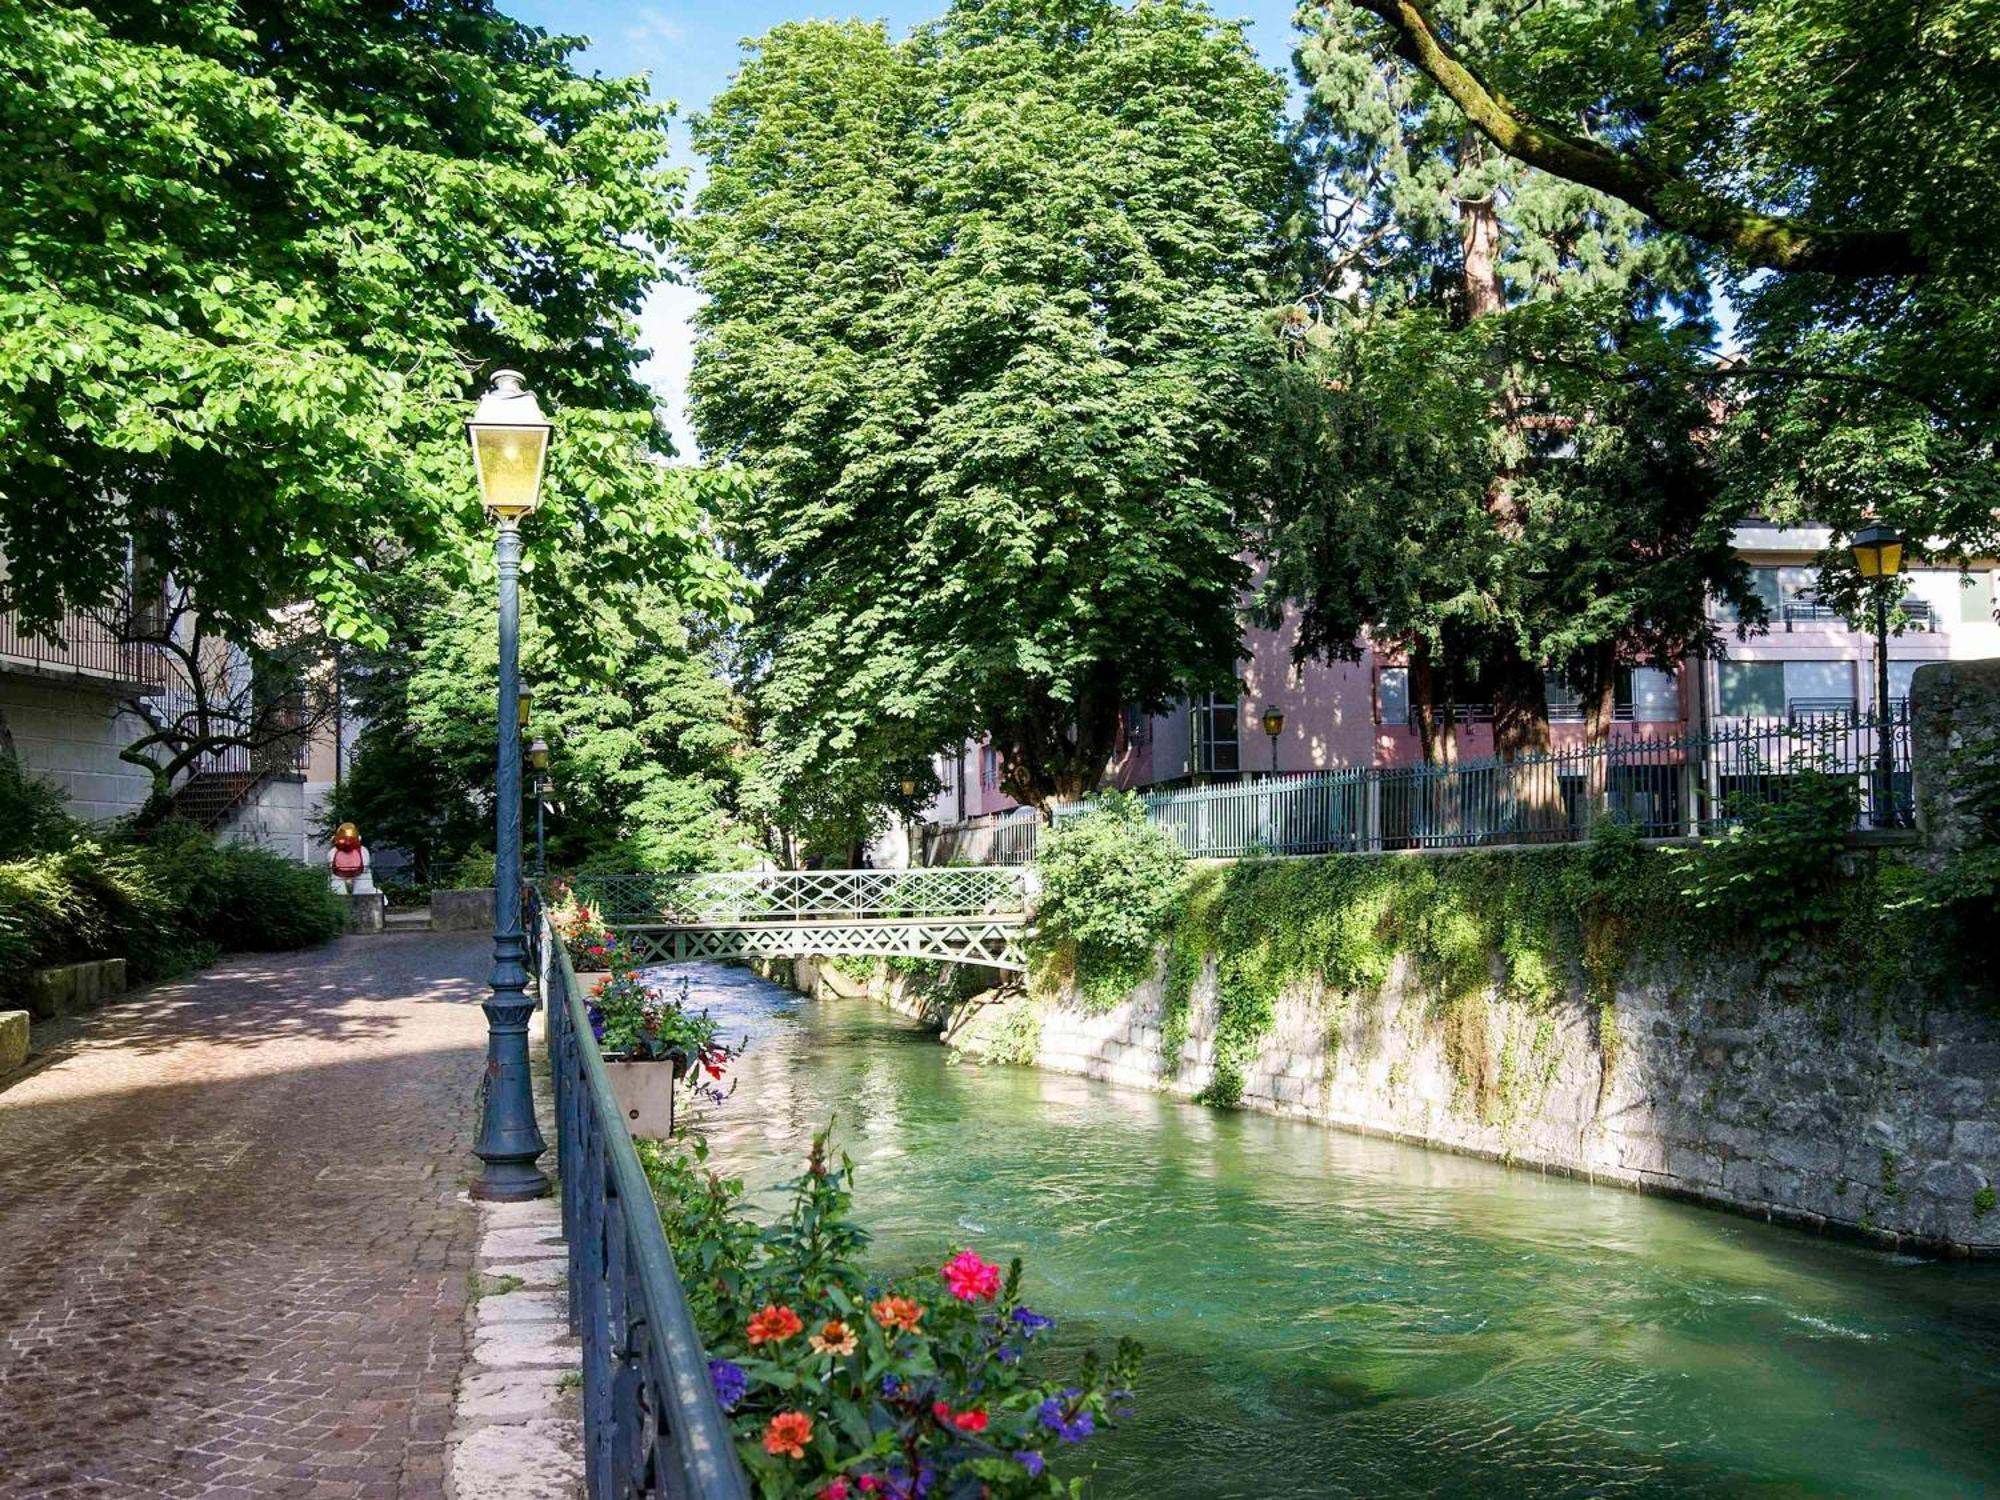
(645, 737)
(1496, 456)
(982, 324)
(1853, 147)
(259, 257)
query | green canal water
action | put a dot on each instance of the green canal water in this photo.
(1326, 1315)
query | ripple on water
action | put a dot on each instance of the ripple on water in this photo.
(1328, 1315)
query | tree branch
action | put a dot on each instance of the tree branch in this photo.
(1670, 200)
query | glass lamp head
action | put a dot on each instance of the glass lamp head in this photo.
(1878, 552)
(1274, 719)
(510, 441)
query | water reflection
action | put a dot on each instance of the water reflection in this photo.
(1332, 1315)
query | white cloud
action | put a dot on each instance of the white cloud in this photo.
(654, 26)
(667, 324)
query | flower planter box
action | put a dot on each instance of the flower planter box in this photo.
(645, 1094)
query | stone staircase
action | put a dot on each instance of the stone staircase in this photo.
(418, 920)
(208, 797)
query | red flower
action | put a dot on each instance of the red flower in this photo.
(837, 1490)
(970, 1420)
(788, 1434)
(774, 1324)
(941, 1410)
(970, 1278)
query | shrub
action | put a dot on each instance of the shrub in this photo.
(840, 1382)
(474, 872)
(1110, 883)
(1778, 872)
(33, 818)
(252, 898)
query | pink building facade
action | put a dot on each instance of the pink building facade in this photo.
(1808, 661)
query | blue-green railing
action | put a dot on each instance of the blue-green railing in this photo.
(651, 1425)
(1680, 786)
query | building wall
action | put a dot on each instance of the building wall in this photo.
(71, 736)
(276, 818)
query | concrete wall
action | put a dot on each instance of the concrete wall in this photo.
(71, 736)
(274, 818)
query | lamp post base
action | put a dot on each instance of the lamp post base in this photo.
(509, 1140)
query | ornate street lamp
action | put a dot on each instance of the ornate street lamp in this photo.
(510, 441)
(1274, 725)
(1878, 557)
(538, 759)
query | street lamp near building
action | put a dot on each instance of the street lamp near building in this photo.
(538, 761)
(510, 441)
(1878, 558)
(1274, 725)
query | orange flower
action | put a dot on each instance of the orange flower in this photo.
(774, 1324)
(835, 1338)
(788, 1434)
(897, 1313)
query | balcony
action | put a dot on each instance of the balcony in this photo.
(88, 652)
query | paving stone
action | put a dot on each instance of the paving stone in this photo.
(522, 1306)
(510, 1395)
(525, 1461)
(525, 1243)
(548, 1272)
(518, 1346)
(235, 1260)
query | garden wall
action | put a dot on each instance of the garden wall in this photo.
(1702, 1085)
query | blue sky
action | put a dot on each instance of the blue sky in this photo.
(690, 50)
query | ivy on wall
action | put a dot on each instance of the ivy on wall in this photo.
(1531, 927)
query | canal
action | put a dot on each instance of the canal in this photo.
(1328, 1315)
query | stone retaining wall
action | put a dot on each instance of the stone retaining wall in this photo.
(1824, 1115)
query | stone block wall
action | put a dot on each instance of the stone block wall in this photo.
(71, 736)
(1697, 1084)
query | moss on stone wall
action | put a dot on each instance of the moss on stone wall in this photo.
(1531, 927)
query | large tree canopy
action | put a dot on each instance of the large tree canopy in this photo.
(1494, 444)
(1852, 146)
(259, 256)
(982, 324)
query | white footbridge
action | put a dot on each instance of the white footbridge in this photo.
(955, 914)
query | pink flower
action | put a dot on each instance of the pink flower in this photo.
(836, 1490)
(970, 1278)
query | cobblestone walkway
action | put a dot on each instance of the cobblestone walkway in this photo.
(232, 1257)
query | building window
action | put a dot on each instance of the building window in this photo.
(1764, 584)
(1655, 696)
(1775, 689)
(1138, 727)
(1900, 673)
(948, 772)
(1216, 751)
(1392, 695)
(1975, 599)
(1750, 689)
(989, 768)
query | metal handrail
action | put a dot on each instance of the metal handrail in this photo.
(651, 1423)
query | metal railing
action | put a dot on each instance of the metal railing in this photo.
(742, 896)
(87, 647)
(1008, 838)
(651, 1424)
(1688, 785)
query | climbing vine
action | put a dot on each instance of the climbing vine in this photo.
(1527, 927)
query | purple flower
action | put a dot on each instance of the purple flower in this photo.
(1071, 1427)
(729, 1381)
(1031, 1461)
(1007, 1354)
(1031, 1323)
(891, 1386)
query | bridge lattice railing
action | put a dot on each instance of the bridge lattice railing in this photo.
(805, 895)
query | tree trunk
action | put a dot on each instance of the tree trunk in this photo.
(1479, 237)
(1600, 709)
(1432, 708)
(1057, 752)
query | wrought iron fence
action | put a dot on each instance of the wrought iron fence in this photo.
(1008, 838)
(803, 895)
(1664, 787)
(651, 1425)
